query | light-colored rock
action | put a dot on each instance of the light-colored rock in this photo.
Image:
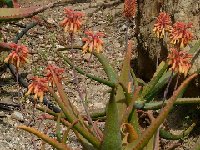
(123, 28)
(87, 57)
(51, 20)
(2, 114)
(17, 115)
(59, 46)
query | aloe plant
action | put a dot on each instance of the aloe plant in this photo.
(116, 114)
(122, 127)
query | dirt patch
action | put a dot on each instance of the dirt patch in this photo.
(44, 40)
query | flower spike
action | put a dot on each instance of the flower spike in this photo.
(37, 87)
(18, 56)
(58, 71)
(73, 20)
(179, 61)
(180, 35)
(162, 25)
(130, 7)
(93, 42)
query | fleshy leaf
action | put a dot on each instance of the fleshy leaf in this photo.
(112, 136)
(167, 135)
(125, 78)
(150, 131)
(158, 74)
(45, 138)
(7, 14)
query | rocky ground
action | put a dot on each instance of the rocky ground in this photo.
(43, 40)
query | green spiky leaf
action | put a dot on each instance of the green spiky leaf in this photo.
(147, 135)
(109, 70)
(112, 136)
(9, 3)
(8, 14)
(44, 137)
(148, 88)
(169, 136)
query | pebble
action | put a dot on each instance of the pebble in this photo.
(17, 115)
(51, 20)
(87, 56)
(102, 22)
(2, 114)
(123, 28)
(117, 44)
(97, 105)
(59, 46)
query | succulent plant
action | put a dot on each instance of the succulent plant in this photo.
(126, 96)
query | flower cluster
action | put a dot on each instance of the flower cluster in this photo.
(179, 61)
(180, 35)
(58, 72)
(18, 56)
(73, 21)
(130, 7)
(162, 25)
(93, 42)
(37, 87)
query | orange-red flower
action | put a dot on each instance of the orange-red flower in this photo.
(37, 87)
(162, 25)
(57, 71)
(18, 56)
(130, 7)
(180, 61)
(93, 42)
(72, 21)
(180, 34)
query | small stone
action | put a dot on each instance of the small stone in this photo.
(117, 45)
(86, 56)
(10, 145)
(124, 27)
(79, 41)
(50, 62)
(41, 37)
(99, 12)
(98, 105)
(59, 46)
(17, 115)
(48, 46)
(2, 114)
(101, 22)
(51, 20)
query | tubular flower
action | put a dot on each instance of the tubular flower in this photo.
(37, 87)
(179, 61)
(162, 25)
(18, 56)
(180, 35)
(73, 20)
(58, 72)
(93, 42)
(130, 7)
